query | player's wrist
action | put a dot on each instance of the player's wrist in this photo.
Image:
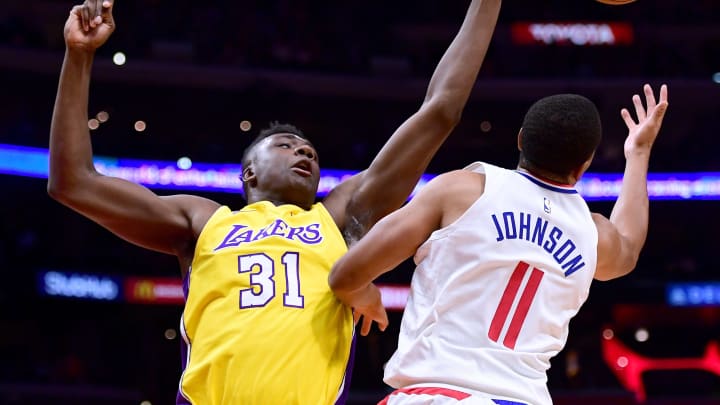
(79, 54)
(359, 298)
(638, 152)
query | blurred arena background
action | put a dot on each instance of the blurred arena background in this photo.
(86, 318)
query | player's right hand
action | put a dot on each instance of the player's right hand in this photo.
(89, 25)
(368, 306)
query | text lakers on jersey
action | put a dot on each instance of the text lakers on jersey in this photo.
(310, 234)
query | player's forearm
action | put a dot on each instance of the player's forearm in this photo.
(357, 269)
(70, 148)
(453, 79)
(388, 243)
(631, 211)
(399, 165)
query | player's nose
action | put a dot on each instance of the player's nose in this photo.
(305, 150)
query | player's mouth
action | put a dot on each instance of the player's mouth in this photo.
(303, 168)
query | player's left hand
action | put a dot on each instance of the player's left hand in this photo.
(367, 304)
(642, 134)
(89, 25)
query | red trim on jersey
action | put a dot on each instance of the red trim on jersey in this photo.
(446, 392)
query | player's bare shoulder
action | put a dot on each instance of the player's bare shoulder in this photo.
(463, 184)
(196, 209)
(464, 187)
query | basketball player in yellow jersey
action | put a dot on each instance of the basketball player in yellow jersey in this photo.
(279, 257)
(261, 323)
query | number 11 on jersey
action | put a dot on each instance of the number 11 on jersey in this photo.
(521, 310)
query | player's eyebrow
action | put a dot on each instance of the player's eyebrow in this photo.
(296, 137)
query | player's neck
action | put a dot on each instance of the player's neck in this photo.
(279, 201)
(548, 177)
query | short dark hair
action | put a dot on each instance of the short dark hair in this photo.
(275, 127)
(560, 132)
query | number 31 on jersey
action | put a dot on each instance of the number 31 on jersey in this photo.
(262, 282)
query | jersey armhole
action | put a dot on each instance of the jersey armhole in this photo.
(478, 168)
(221, 210)
(329, 219)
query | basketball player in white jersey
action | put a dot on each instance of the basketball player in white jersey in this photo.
(504, 259)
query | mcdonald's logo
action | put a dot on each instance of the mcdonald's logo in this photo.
(144, 291)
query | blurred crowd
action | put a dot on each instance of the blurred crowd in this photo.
(73, 343)
(401, 37)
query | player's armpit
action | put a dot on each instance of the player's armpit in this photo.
(337, 200)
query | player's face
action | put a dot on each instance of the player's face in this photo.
(287, 166)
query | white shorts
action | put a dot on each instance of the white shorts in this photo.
(439, 396)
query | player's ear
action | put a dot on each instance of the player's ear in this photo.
(519, 140)
(248, 175)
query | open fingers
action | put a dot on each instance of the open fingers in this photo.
(382, 321)
(627, 118)
(380, 318)
(639, 109)
(367, 323)
(649, 97)
(656, 108)
(663, 93)
(661, 107)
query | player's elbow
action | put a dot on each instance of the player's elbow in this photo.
(55, 190)
(618, 270)
(628, 267)
(340, 280)
(63, 189)
(67, 183)
(336, 282)
(443, 113)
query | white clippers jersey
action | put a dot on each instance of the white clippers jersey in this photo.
(493, 293)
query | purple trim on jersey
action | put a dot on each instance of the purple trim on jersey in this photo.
(548, 186)
(342, 398)
(179, 398)
(186, 284)
(506, 402)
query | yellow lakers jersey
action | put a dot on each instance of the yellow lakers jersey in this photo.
(261, 323)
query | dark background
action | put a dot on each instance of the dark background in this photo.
(347, 73)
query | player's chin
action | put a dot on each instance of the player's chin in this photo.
(306, 184)
(312, 185)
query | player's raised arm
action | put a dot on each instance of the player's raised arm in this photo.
(391, 177)
(127, 209)
(621, 238)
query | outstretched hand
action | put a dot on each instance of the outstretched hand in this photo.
(89, 25)
(367, 305)
(642, 134)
